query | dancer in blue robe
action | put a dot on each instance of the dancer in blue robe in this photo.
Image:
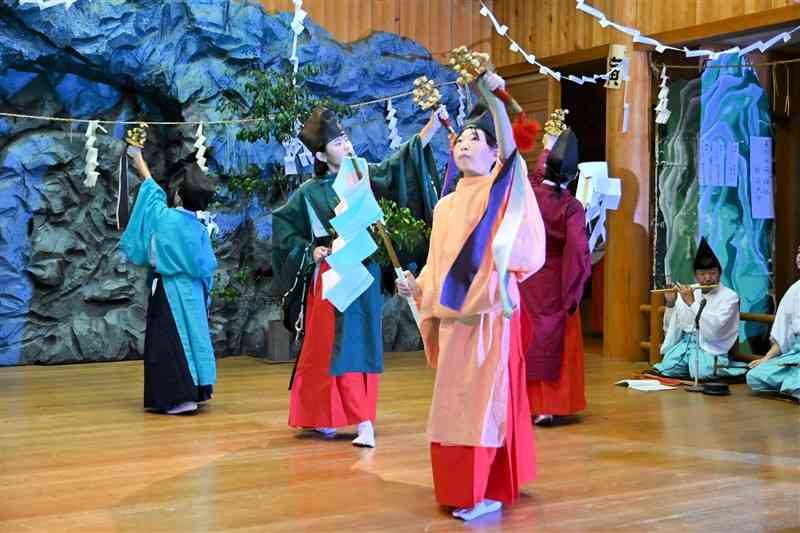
(180, 369)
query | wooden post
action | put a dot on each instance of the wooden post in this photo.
(656, 326)
(787, 177)
(627, 259)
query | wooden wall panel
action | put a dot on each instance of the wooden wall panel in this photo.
(352, 20)
(315, 8)
(482, 29)
(438, 25)
(441, 28)
(462, 21)
(543, 27)
(538, 98)
(385, 16)
(554, 27)
(415, 21)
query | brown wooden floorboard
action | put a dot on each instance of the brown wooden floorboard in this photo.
(77, 453)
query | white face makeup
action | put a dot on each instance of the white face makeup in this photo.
(473, 155)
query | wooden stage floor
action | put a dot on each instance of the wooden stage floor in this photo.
(77, 453)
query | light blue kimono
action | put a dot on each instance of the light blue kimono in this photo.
(781, 374)
(686, 358)
(177, 245)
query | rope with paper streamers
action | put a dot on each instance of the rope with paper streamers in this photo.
(502, 30)
(91, 154)
(226, 122)
(294, 148)
(705, 65)
(605, 22)
(740, 65)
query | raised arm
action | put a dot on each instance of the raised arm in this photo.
(149, 207)
(139, 163)
(502, 123)
(433, 125)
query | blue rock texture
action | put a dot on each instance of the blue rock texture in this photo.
(66, 294)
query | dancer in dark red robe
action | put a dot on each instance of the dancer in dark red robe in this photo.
(551, 324)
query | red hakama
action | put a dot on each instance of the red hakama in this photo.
(318, 399)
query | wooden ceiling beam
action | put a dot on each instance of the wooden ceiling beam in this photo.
(763, 20)
(557, 61)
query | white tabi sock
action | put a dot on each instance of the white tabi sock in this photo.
(541, 420)
(185, 407)
(366, 435)
(483, 507)
(328, 432)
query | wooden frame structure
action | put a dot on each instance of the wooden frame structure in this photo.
(629, 156)
(655, 311)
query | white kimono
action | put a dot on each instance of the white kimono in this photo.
(719, 323)
(702, 351)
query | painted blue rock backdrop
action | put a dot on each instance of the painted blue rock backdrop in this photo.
(725, 106)
(65, 292)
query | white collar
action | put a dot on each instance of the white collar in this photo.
(549, 182)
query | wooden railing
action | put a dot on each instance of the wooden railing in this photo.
(653, 345)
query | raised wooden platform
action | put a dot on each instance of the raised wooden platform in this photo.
(77, 453)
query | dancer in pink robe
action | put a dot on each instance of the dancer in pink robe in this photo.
(487, 237)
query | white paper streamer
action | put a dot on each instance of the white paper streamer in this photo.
(626, 106)
(44, 4)
(391, 120)
(662, 113)
(294, 149)
(297, 28)
(208, 221)
(514, 46)
(289, 160)
(598, 193)
(91, 153)
(200, 144)
(605, 22)
(626, 113)
(462, 107)
(305, 155)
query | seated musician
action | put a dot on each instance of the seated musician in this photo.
(779, 370)
(701, 324)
